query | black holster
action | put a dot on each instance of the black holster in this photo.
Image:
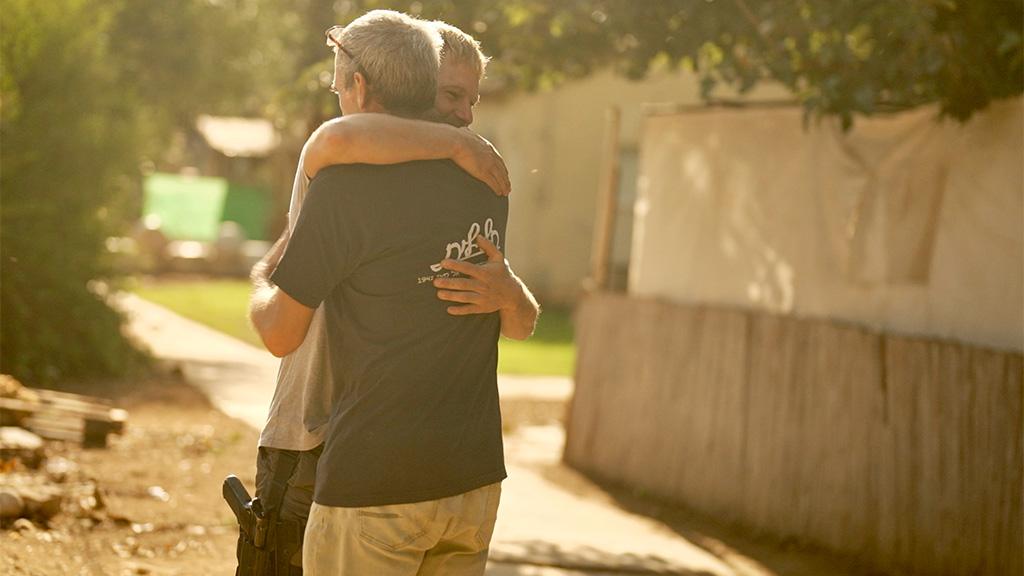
(288, 547)
(280, 556)
(266, 544)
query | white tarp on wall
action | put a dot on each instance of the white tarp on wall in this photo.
(905, 224)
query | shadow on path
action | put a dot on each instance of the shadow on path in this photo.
(742, 551)
(582, 559)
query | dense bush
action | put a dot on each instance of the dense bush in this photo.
(91, 90)
(68, 135)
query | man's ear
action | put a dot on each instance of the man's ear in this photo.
(362, 91)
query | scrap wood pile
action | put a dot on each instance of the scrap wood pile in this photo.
(35, 487)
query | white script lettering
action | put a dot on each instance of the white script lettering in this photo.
(466, 249)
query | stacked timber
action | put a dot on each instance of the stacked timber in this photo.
(34, 488)
(59, 415)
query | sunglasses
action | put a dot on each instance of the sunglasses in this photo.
(330, 33)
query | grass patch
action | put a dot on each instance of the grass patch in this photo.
(220, 304)
(550, 351)
(223, 306)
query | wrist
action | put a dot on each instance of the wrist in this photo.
(516, 301)
(459, 142)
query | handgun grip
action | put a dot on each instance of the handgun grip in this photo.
(237, 498)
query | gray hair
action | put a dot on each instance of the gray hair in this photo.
(397, 54)
(461, 47)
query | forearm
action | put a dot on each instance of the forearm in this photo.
(260, 274)
(263, 318)
(259, 308)
(279, 320)
(369, 138)
(519, 319)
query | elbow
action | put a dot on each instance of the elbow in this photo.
(279, 352)
(334, 141)
(277, 341)
(326, 147)
(280, 346)
(277, 348)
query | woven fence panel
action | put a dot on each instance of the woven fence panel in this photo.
(905, 452)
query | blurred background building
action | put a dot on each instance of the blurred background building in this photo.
(216, 212)
(821, 336)
(554, 142)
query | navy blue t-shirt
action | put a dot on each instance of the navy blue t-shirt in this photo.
(418, 416)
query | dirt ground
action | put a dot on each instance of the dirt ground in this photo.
(160, 510)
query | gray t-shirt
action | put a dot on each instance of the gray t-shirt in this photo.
(417, 417)
(302, 400)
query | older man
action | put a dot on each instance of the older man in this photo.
(298, 413)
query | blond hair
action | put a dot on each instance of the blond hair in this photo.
(461, 47)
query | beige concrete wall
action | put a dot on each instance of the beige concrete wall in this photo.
(904, 225)
(552, 142)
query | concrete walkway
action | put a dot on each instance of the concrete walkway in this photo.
(546, 526)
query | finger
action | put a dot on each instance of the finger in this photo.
(503, 168)
(485, 174)
(488, 179)
(465, 284)
(458, 296)
(495, 184)
(506, 183)
(471, 270)
(493, 254)
(502, 180)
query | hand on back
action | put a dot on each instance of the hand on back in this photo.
(487, 287)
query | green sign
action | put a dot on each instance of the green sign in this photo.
(193, 207)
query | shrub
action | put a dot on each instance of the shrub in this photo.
(68, 130)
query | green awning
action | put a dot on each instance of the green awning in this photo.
(250, 207)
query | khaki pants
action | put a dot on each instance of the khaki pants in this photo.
(449, 536)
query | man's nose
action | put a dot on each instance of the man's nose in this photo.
(465, 114)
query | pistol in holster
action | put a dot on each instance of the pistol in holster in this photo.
(254, 555)
(267, 545)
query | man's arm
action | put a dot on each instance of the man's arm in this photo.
(490, 287)
(260, 273)
(369, 138)
(279, 319)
